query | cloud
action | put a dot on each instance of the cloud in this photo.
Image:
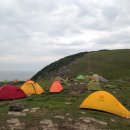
(116, 37)
(36, 33)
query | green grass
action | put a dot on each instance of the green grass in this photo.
(54, 104)
(111, 64)
(56, 65)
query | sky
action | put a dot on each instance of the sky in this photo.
(35, 33)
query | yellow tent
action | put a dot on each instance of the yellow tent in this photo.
(104, 101)
(30, 87)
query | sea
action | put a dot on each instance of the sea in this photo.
(13, 75)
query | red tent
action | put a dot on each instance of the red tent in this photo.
(11, 92)
(56, 87)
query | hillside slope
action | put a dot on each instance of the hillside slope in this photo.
(112, 64)
(59, 67)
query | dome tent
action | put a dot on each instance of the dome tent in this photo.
(104, 101)
(30, 87)
(80, 77)
(8, 92)
(56, 87)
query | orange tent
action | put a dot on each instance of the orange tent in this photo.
(56, 87)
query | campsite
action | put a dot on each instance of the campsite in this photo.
(81, 101)
(64, 64)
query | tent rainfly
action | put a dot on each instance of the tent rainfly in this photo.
(104, 101)
(56, 87)
(80, 77)
(10, 92)
(30, 87)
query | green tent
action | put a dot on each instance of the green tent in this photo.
(5, 81)
(93, 85)
(80, 77)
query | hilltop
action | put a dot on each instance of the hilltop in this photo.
(112, 64)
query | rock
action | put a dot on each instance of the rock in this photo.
(16, 107)
(26, 110)
(59, 117)
(48, 125)
(84, 127)
(81, 126)
(112, 120)
(81, 118)
(82, 83)
(88, 91)
(13, 121)
(68, 103)
(67, 114)
(17, 113)
(99, 122)
(46, 122)
(93, 119)
(109, 86)
(114, 92)
(82, 112)
(33, 111)
(35, 108)
(87, 120)
(15, 124)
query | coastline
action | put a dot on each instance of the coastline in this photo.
(16, 75)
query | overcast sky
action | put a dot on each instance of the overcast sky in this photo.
(34, 33)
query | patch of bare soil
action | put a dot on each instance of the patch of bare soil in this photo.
(76, 89)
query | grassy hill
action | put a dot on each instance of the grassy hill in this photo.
(53, 68)
(60, 111)
(112, 64)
